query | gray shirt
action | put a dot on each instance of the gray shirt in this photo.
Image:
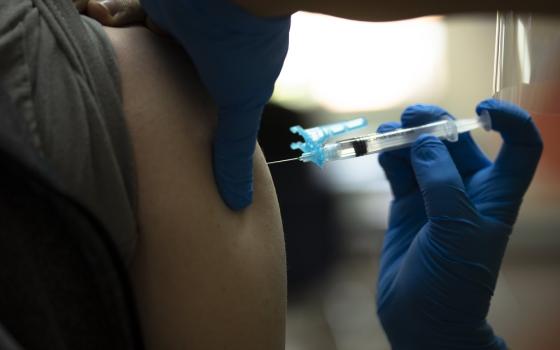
(60, 71)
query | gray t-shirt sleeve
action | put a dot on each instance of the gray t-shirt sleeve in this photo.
(60, 71)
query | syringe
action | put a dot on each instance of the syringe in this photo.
(315, 148)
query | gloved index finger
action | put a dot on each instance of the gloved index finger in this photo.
(466, 154)
(523, 144)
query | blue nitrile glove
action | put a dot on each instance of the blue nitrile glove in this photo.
(449, 224)
(238, 57)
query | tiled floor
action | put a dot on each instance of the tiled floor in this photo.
(339, 312)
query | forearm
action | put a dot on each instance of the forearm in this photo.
(370, 10)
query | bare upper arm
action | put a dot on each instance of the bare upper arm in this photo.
(205, 277)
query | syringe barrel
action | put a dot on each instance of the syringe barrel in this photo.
(400, 138)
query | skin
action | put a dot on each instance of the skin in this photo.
(116, 13)
(369, 10)
(130, 11)
(204, 277)
(80, 5)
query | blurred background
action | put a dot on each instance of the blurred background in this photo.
(335, 217)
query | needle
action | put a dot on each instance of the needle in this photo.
(282, 161)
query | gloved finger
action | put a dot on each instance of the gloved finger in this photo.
(420, 114)
(467, 155)
(233, 149)
(400, 173)
(523, 144)
(406, 217)
(439, 180)
(116, 13)
(396, 165)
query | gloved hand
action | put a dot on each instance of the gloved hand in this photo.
(452, 214)
(238, 57)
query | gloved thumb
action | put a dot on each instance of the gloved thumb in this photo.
(233, 148)
(439, 180)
